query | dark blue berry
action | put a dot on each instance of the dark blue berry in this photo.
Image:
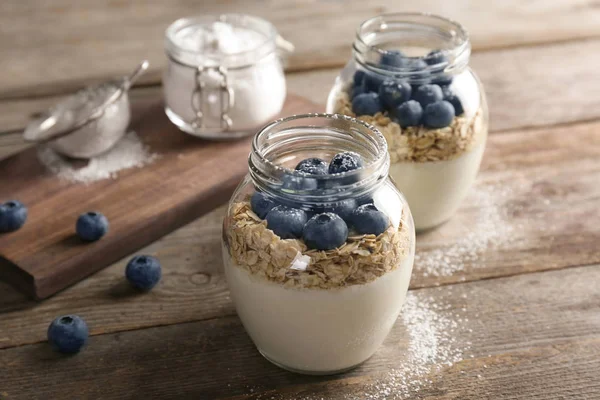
(453, 99)
(325, 231)
(91, 226)
(313, 165)
(358, 77)
(372, 82)
(436, 57)
(427, 94)
(143, 272)
(343, 208)
(438, 115)
(294, 182)
(409, 114)
(286, 222)
(344, 162)
(366, 104)
(13, 215)
(366, 219)
(359, 89)
(68, 334)
(392, 93)
(392, 58)
(261, 204)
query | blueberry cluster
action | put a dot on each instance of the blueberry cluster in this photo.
(432, 104)
(329, 227)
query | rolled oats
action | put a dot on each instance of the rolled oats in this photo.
(418, 143)
(362, 259)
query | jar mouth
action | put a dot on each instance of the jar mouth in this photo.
(420, 33)
(183, 52)
(280, 145)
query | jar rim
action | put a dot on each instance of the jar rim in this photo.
(362, 179)
(456, 35)
(238, 59)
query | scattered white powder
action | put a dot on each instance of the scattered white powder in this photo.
(129, 152)
(488, 228)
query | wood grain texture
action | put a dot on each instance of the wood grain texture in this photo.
(529, 337)
(526, 87)
(527, 213)
(54, 46)
(189, 178)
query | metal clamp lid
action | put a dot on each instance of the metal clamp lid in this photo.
(226, 97)
(80, 109)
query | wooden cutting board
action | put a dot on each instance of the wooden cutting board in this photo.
(190, 178)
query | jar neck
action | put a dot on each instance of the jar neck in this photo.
(415, 34)
(279, 146)
(183, 48)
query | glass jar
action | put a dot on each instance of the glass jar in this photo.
(318, 263)
(409, 77)
(224, 78)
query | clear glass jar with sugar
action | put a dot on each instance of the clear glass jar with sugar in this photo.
(224, 77)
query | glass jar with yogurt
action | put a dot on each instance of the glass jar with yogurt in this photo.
(318, 244)
(224, 78)
(410, 78)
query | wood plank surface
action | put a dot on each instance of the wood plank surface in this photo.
(49, 47)
(518, 82)
(534, 336)
(527, 213)
(190, 177)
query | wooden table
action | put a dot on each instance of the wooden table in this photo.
(521, 269)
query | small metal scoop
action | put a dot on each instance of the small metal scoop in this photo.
(75, 112)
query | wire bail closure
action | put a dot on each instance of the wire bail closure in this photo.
(226, 97)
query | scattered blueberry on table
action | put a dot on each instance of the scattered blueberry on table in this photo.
(13, 215)
(367, 219)
(344, 162)
(325, 231)
(143, 272)
(438, 115)
(68, 333)
(286, 222)
(91, 226)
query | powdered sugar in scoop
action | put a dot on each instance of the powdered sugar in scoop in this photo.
(129, 152)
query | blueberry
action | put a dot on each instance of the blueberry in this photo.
(427, 94)
(313, 165)
(366, 219)
(261, 204)
(366, 104)
(13, 215)
(346, 161)
(68, 334)
(343, 208)
(286, 222)
(91, 226)
(438, 115)
(143, 272)
(442, 80)
(392, 58)
(436, 57)
(409, 114)
(293, 182)
(358, 77)
(358, 89)
(393, 93)
(372, 82)
(453, 99)
(325, 231)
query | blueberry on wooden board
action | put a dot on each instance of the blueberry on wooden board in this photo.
(91, 226)
(143, 272)
(13, 215)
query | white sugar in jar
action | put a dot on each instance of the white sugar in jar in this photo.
(224, 77)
